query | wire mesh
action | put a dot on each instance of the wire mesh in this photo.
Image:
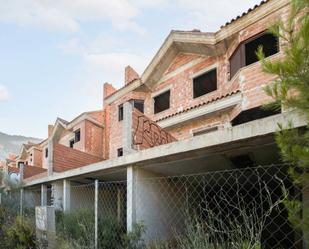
(112, 210)
(240, 208)
(233, 208)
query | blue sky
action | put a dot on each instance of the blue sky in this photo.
(55, 55)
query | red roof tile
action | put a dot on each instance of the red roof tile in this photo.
(215, 98)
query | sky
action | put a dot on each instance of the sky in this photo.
(55, 55)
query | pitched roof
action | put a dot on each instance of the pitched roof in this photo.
(245, 13)
(193, 41)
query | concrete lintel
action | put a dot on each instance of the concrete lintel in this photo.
(248, 130)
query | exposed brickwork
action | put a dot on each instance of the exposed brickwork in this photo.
(129, 75)
(146, 133)
(66, 158)
(36, 157)
(181, 60)
(30, 171)
(97, 115)
(115, 141)
(93, 139)
(50, 130)
(97, 142)
(35, 177)
(13, 170)
(108, 89)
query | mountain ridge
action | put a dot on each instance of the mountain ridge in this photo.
(12, 143)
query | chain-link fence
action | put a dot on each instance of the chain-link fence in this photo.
(239, 208)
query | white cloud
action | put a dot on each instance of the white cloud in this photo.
(112, 65)
(4, 93)
(69, 14)
(210, 15)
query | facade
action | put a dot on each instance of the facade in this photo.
(196, 108)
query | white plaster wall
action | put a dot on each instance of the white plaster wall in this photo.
(158, 206)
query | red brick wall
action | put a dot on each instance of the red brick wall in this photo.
(37, 157)
(65, 158)
(130, 75)
(98, 115)
(115, 141)
(35, 177)
(146, 133)
(249, 80)
(93, 139)
(108, 89)
(30, 171)
(50, 130)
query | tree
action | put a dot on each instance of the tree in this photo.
(291, 90)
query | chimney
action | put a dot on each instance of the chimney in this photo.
(130, 74)
(108, 89)
(50, 130)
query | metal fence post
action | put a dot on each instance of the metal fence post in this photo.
(21, 200)
(96, 195)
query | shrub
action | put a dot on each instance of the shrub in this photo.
(134, 239)
(77, 227)
(21, 235)
(110, 233)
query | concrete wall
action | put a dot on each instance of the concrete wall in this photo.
(32, 198)
(82, 197)
(157, 206)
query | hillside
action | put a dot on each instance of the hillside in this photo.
(12, 143)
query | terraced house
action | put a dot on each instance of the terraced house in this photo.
(195, 111)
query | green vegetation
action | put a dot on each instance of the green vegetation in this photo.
(291, 90)
(20, 235)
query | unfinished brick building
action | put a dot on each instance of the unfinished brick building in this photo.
(196, 108)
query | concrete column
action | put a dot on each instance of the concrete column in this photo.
(145, 204)
(131, 198)
(21, 171)
(21, 200)
(127, 128)
(96, 199)
(50, 159)
(43, 195)
(66, 195)
(57, 194)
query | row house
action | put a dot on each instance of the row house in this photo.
(197, 107)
